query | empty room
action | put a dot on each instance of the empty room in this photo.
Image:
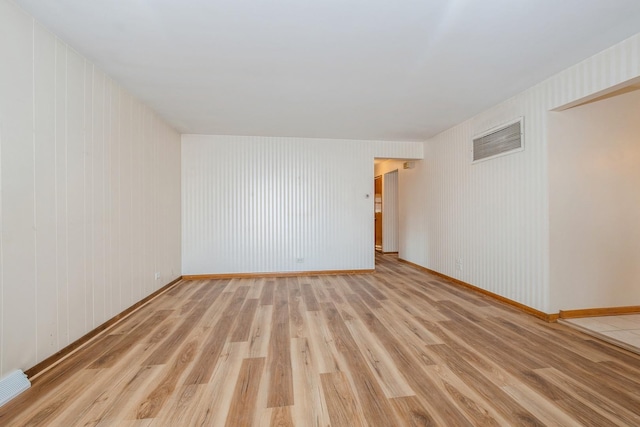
(319, 213)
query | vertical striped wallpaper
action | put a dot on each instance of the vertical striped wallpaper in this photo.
(90, 195)
(261, 204)
(493, 216)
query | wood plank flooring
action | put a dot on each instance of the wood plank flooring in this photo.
(398, 347)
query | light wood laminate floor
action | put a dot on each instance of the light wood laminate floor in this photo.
(398, 347)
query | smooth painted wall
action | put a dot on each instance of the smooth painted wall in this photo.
(90, 195)
(259, 204)
(488, 223)
(594, 203)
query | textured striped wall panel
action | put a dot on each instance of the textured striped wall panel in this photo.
(493, 216)
(258, 204)
(90, 205)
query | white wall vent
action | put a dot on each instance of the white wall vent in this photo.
(501, 140)
(12, 385)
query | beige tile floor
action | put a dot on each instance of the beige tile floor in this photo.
(623, 331)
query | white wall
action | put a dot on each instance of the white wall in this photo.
(89, 208)
(494, 215)
(257, 204)
(594, 204)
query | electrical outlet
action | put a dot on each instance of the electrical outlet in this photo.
(157, 275)
(459, 264)
(300, 260)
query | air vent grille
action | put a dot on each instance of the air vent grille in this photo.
(12, 385)
(503, 140)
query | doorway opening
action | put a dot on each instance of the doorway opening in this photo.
(377, 212)
(594, 205)
(386, 205)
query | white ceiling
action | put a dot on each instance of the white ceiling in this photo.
(360, 69)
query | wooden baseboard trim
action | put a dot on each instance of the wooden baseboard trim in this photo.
(525, 308)
(80, 342)
(274, 274)
(595, 312)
